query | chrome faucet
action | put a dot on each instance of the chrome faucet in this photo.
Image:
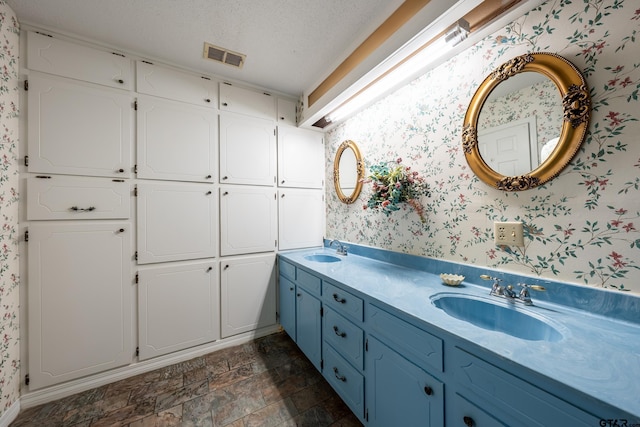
(342, 249)
(508, 293)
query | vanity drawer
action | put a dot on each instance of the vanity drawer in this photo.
(308, 281)
(286, 269)
(61, 197)
(342, 301)
(344, 336)
(414, 343)
(523, 403)
(347, 381)
(466, 413)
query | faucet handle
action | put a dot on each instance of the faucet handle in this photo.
(533, 287)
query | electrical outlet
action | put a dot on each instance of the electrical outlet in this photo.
(508, 233)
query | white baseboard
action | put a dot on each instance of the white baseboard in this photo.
(10, 414)
(38, 397)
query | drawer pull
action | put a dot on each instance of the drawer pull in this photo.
(338, 333)
(428, 390)
(468, 421)
(338, 376)
(77, 209)
(340, 300)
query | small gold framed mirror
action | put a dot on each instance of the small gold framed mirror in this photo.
(512, 152)
(348, 171)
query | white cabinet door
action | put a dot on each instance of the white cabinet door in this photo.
(78, 129)
(246, 101)
(80, 300)
(177, 85)
(179, 307)
(248, 293)
(63, 58)
(176, 141)
(300, 158)
(286, 112)
(247, 150)
(176, 222)
(300, 219)
(248, 220)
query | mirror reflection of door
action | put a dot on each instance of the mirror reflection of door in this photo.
(510, 149)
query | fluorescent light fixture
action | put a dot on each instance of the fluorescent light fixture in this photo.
(415, 62)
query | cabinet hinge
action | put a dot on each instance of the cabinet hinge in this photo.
(265, 93)
(117, 180)
(147, 62)
(43, 177)
(366, 345)
(26, 236)
(206, 78)
(227, 83)
(44, 34)
(321, 311)
(136, 256)
(366, 414)
(26, 379)
(275, 243)
(277, 316)
(26, 160)
(137, 351)
(118, 54)
(137, 278)
(322, 364)
(135, 191)
(135, 105)
(274, 132)
(26, 84)
(135, 168)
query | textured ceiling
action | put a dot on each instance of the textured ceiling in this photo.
(291, 45)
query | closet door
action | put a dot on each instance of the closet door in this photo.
(246, 101)
(168, 83)
(178, 307)
(300, 158)
(80, 299)
(176, 222)
(248, 293)
(248, 220)
(78, 129)
(176, 141)
(247, 150)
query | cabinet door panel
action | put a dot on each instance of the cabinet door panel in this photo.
(173, 84)
(247, 150)
(344, 336)
(247, 220)
(179, 307)
(246, 101)
(77, 129)
(80, 295)
(309, 326)
(300, 158)
(301, 218)
(248, 293)
(62, 197)
(176, 222)
(56, 56)
(397, 386)
(176, 141)
(348, 382)
(286, 112)
(288, 306)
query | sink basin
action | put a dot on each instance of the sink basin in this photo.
(500, 316)
(322, 258)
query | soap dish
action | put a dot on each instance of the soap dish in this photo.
(451, 279)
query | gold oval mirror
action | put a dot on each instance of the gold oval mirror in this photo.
(526, 121)
(348, 171)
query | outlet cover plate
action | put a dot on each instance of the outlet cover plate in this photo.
(508, 233)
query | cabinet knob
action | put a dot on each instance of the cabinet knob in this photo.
(282, 182)
(468, 421)
(340, 300)
(120, 81)
(428, 390)
(298, 294)
(209, 269)
(225, 193)
(120, 170)
(281, 118)
(207, 177)
(208, 193)
(121, 230)
(224, 104)
(207, 100)
(226, 266)
(291, 288)
(225, 177)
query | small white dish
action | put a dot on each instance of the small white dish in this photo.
(451, 279)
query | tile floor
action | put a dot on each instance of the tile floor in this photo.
(267, 382)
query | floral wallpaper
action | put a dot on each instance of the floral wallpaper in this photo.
(582, 227)
(9, 297)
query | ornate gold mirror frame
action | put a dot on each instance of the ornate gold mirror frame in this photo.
(576, 105)
(359, 172)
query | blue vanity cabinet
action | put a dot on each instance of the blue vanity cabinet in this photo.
(300, 309)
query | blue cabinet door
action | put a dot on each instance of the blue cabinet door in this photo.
(288, 306)
(309, 326)
(399, 392)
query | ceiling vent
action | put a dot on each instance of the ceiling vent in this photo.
(225, 56)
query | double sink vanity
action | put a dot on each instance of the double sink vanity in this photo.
(399, 345)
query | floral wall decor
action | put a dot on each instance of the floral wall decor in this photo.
(9, 271)
(582, 227)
